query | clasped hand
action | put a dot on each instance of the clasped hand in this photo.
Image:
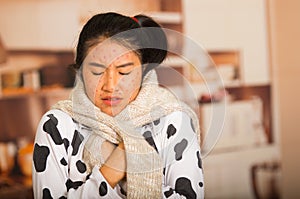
(114, 168)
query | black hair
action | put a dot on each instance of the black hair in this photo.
(140, 33)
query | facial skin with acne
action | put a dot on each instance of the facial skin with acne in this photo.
(112, 76)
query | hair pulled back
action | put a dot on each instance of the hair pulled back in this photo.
(139, 33)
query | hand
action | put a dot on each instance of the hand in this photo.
(114, 169)
(106, 150)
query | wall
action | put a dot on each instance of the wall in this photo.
(285, 42)
(35, 24)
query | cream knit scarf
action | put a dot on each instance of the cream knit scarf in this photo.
(144, 166)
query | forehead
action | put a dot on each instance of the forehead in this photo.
(108, 51)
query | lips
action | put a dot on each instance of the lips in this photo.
(111, 101)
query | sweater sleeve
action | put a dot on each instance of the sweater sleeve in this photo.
(58, 170)
(180, 151)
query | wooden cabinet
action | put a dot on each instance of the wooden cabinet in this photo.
(235, 33)
(232, 25)
(229, 175)
(43, 78)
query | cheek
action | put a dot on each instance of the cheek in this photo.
(91, 87)
(131, 84)
(96, 88)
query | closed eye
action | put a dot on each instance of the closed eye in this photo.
(124, 67)
(97, 67)
(124, 73)
(99, 73)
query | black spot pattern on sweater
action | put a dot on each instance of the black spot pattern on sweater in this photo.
(76, 142)
(50, 127)
(149, 139)
(183, 186)
(168, 193)
(40, 156)
(199, 159)
(171, 131)
(103, 189)
(200, 184)
(192, 125)
(179, 149)
(123, 191)
(63, 162)
(88, 176)
(81, 167)
(73, 185)
(156, 122)
(66, 143)
(47, 194)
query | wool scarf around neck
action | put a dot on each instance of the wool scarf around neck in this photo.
(144, 166)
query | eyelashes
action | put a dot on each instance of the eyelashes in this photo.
(124, 73)
(97, 74)
(121, 73)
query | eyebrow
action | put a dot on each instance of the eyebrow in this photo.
(125, 65)
(96, 64)
(119, 66)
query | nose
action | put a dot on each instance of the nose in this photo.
(110, 80)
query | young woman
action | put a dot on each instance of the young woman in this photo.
(119, 135)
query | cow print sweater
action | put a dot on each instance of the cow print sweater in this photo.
(59, 171)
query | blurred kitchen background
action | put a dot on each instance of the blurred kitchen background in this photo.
(250, 45)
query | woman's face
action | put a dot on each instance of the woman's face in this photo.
(112, 76)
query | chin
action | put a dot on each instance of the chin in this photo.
(111, 112)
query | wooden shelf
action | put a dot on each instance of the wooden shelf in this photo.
(28, 92)
(264, 93)
(225, 57)
(20, 63)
